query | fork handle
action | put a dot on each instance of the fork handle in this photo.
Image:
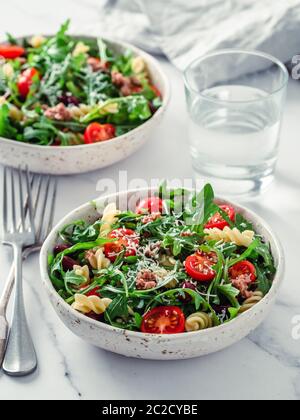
(3, 337)
(4, 299)
(20, 357)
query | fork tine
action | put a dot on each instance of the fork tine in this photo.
(5, 198)
(37, 198)
(32, 182)
(30, 210)
(13, 200)
(43, 209)
(21, 199)
(53, 202)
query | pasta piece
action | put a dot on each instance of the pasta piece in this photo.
(172, 284)
(86, 304)
(7, 70)
(79, 111)
(80, 48)
(252, 301)
(82, 271)
(108, 108)
(198, 321)
(230, 235)
(37, 40)
(15, 113)
(97, 259)
(109, 217)
(161, 273)
(138, 65)
(167, 260)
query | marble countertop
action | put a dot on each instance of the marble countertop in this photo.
(265, 365)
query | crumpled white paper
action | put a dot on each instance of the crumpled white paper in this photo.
(186, 29)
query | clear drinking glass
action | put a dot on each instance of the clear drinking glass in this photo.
(235, 100)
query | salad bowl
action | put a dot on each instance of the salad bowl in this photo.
(80, 158)
(159, 346)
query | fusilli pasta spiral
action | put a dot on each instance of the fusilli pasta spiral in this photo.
(15, 114)
(79, 111)
(252, 301)
(167, 260)
(82, 271)
(230, 235)
(161, 274)
(86, 304)
(172, 284)
(198, 321)
(80, 48)
(109, 217)
(138, 65)
(97, 259)
(37, 40)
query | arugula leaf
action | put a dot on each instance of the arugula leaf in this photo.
(242, 224)
(200, 208)
(233, 312)
(263, 250)
(6, 129)
(263, 280)
(117, 308)
(120, 110)
(70, 278)
(80, 231)
(245, 254)
(42, 132)
(230, 293)
(123, 63)
(138, 320)
(173, 294)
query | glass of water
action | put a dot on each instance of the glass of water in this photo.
(235, 100)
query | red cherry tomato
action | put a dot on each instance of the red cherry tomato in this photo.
(163, 320)
(127, 238)
(217, 221)
(150, 205)
(199, 266)
(97, 64)
(93, 292)
(25, 81)
(243, 269)
(136, 89)
(96, 132)
(156, 91)
(11, 51)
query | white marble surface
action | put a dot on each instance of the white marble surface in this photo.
(264, 365)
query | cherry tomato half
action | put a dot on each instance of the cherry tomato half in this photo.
(243, 269)
(156, 91)
(199, 266)
(11, 51)
(163, 320)
(96, 132)
(25, 81)
(127, 238)
(136, 89)
(217, 221)
(93, 292)
(150, 205)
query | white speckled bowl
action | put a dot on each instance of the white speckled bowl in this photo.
(152, 346)
(63, 160)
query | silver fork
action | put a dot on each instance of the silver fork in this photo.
(20, 357)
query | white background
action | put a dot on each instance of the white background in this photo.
(264, 365)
